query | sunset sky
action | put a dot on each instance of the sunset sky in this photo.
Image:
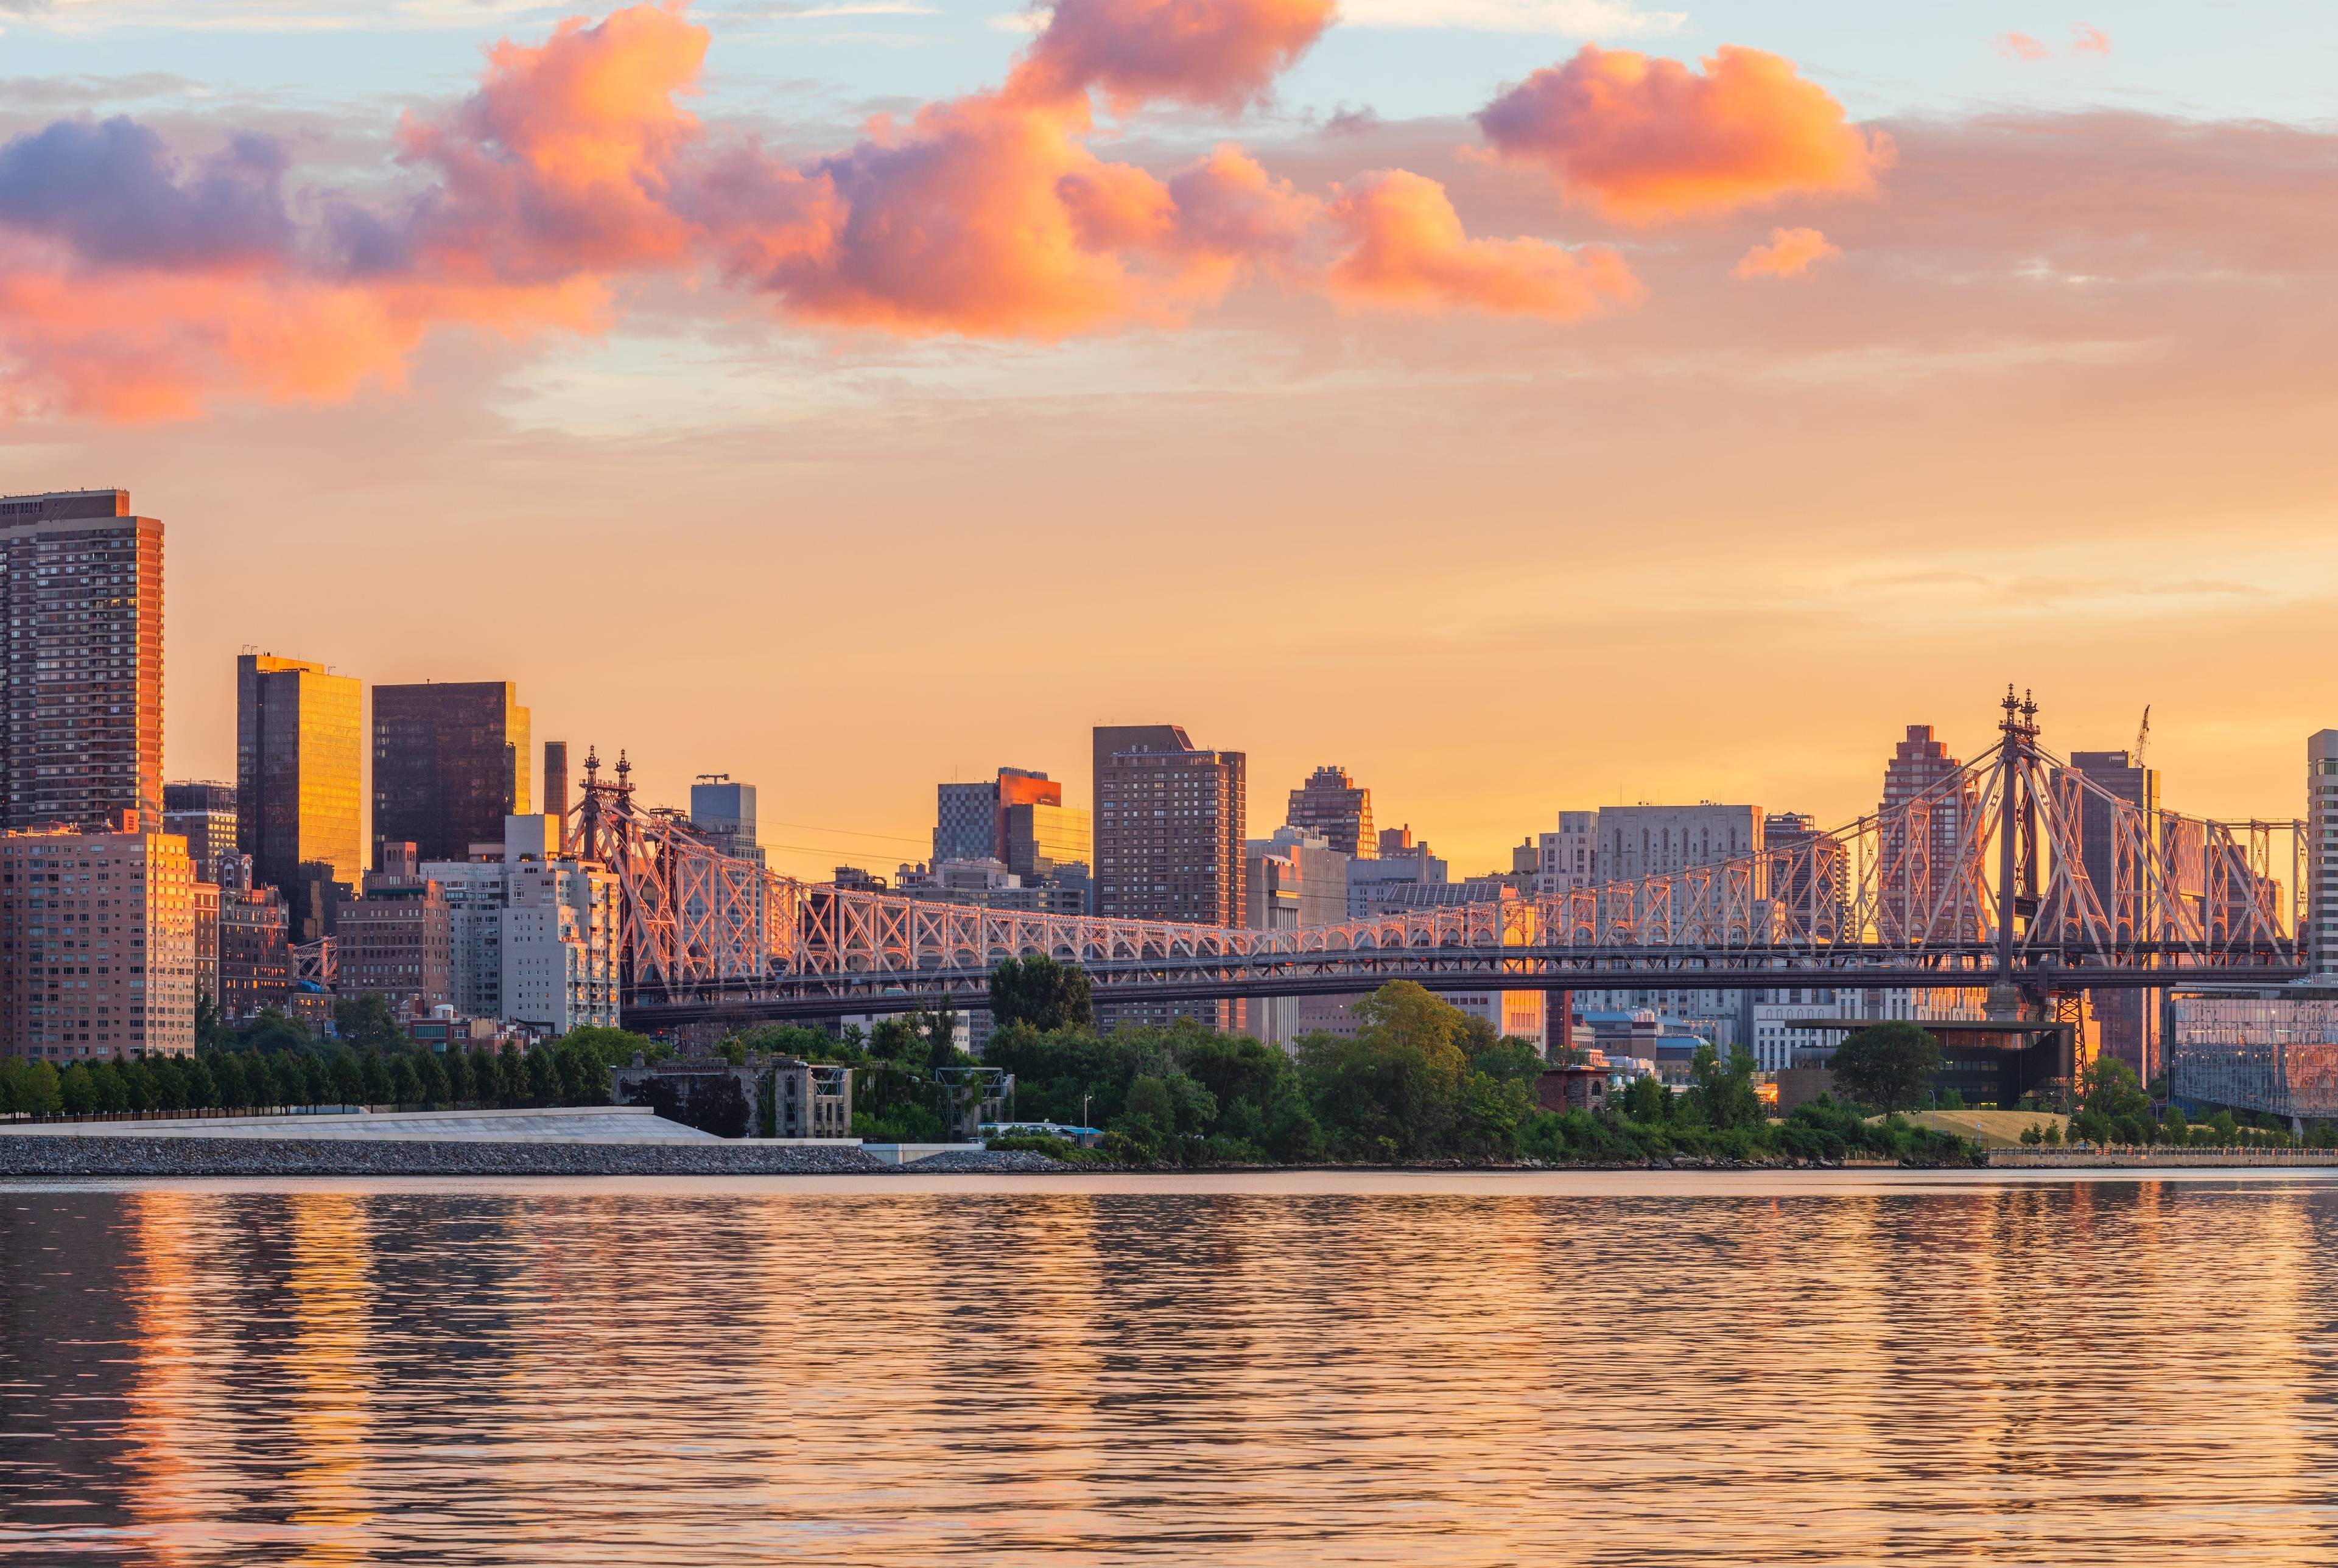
(1527, 404)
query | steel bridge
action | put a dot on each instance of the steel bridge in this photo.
(1980, 881)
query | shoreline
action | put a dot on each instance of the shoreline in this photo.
(118, 1157)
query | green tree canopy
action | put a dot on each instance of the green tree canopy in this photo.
(1887, 1066)
(366, 1023)
(1039, 991)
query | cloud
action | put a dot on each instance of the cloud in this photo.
(138, 284)
(1210, 53)
(2088, 40)
(2019, 47)
(1790, 253)
(1409, 251)
(1567, 19)
(1644, 139)
(113, 193)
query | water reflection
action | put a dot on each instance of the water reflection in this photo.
(1598, 1374)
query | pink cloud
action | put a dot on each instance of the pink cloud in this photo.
(2088, 40)
(2019, 47)
(1212, 53)
(1790, 253)
(1644, 139)
(1409, 250)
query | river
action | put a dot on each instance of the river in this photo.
(1315, 1369)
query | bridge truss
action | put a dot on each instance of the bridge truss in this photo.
(2018, 871)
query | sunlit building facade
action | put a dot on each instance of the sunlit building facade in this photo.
(2321, 852)
(300, 743)
(100, 957)
(2260, 1051)
(204, 814)
(1169, 842)
(1925, 848)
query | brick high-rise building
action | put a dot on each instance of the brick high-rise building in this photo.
(397, 939)
(101, 958)
(300, 741)
(1337, 808)
(1924, 854)
(1169, 841)
(2322, 853)
(450, 762)
(82, 582)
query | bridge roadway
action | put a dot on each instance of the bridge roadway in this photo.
(809, 995)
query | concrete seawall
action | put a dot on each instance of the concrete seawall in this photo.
(2170, 1159)
(31, 1154)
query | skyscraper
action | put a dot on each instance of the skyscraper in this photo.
(204, 814)
(450, 762)
(1928, 873)
(556, 779)
(298, 752)
(2128, 1020)
(82, 582)
(1338, 808)
(2321, 853)
(1169, 846)
(116, 980)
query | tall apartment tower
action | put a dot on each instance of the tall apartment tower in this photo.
(1336, 808)
(103, 962)
(450, 762)
(1927, 815)
(1169, 842)
(298, 755)
(82, 579)
(2321, 853)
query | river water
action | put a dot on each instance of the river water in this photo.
(1308, 1369)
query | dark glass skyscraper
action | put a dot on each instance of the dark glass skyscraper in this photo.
(298, 755)
(450, 762)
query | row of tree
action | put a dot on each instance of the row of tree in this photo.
(571, 1071)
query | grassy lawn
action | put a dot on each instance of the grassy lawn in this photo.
(1989, 1129)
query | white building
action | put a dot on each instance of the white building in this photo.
(1569, 859)
(2321, 853)
(474, 890)
(534, 932)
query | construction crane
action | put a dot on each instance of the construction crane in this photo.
(2143, 735)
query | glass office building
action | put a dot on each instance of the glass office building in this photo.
(298, 752)
(450, 762)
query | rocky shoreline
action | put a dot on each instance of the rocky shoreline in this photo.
(115, 1157)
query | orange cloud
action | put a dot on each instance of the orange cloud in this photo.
(2088, 40)
(2019, 47)
(1409, 251)
(1646, 139)
(144, 288)
(1790, 253)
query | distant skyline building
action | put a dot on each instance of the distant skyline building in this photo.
(396, 938)
(1336, 807)
(555, 780)
(82, 582)
(2128, 1022)
(450, 761)
(1569, 860)
(1924, 855)
(299, 759)
(1292, 880)
(1043, 839)
(970, 821)
(202, 812)
(255, 959)
(724, 812)
(2321, 853)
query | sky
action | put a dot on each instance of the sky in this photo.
(1526, 404)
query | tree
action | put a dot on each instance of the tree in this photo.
(375, 1073)
(1039, 991)
(460, 1087)
(74, 1091)
(211, 1033)
(366, 1023)
(544, 1081)
(2110, 1088)
(199, 1092)
(404, 1083)
(272, 1030)
(40, 1092)
(1723, 1096)
(433, 1074)
(227, 1091)
(1887, 1066)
